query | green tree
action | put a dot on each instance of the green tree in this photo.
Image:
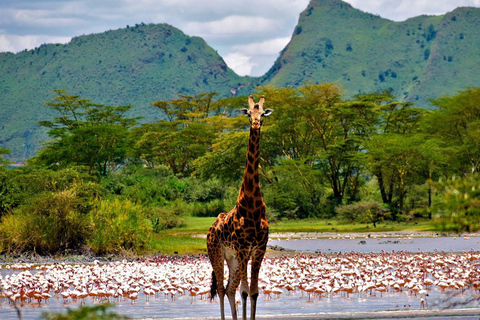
(86, 133)
(2, 152)
(174, 145)
(394, 153)
(186, 135)
(456, 125)
(459, 206)
(340, 129)
(397, 162)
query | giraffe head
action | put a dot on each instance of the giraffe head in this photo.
(255, 112)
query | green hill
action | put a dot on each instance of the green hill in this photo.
(131, 66)
(417, 59)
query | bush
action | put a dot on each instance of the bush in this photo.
(362, 212)
(98, 312)
(197, 190)
(146, 186)
(52, 223)
(119, 226)
(163, 218)
(17, 186)
(459, 207)
(210, 209)
(292, 196)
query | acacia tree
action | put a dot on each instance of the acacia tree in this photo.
(459, 132)
(85, 133)
(186, 134)
(340, 129)
(394, 153)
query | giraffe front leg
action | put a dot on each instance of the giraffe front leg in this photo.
(244, 289)
(237, 266)
(256, 263)
(232, 283)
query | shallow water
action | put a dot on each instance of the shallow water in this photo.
(298, 302)
(376, 245)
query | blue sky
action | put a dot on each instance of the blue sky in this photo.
(248, 34)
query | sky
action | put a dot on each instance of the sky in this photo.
(248, 34)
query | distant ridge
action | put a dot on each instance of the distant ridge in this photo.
(418, 59)
(136, 66)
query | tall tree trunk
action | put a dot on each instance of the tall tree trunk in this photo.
(381, 185)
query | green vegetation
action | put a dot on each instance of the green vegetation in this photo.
(107, 186)
(334, 42)
(417, 59)
(98, 312)
(132, 66)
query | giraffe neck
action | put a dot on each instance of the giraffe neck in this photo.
(250, 190)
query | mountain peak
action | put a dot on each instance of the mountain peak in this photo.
(416, 59)
(136, 65)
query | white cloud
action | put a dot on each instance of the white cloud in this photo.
(250, 33)
(14, 43)
(402, 10)
(42, 18)
(231, 25)
(239, 63)
(267, 47)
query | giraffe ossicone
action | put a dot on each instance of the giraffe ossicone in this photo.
(242, 234)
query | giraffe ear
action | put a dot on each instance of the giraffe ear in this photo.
(244, 111)
(251, 103)
(261, 102)
(268, 112)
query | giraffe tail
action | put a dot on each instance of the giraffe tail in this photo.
(213, 288)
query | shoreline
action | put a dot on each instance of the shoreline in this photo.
(78, 258)
(474, 313)
(381, 234)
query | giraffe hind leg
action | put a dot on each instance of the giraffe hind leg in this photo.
(215, 254)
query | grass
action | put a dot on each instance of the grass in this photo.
(331, 225)
(189, 239)
(174, 243)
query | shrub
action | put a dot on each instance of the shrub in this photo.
(458, 208)
(17, 186)
(119, 226)
(162, 218)
(209, 209)
(146, 186)
(362, 212)
(98, 312)
(52, 223)
(291, 196)
(203, 190)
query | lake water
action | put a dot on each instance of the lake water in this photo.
(376, 245)
(297, 304)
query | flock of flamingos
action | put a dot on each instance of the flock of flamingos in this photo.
(308, 276)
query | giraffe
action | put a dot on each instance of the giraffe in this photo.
(242, 233)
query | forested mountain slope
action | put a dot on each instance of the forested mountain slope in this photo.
(417, 59)
(132, 66)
